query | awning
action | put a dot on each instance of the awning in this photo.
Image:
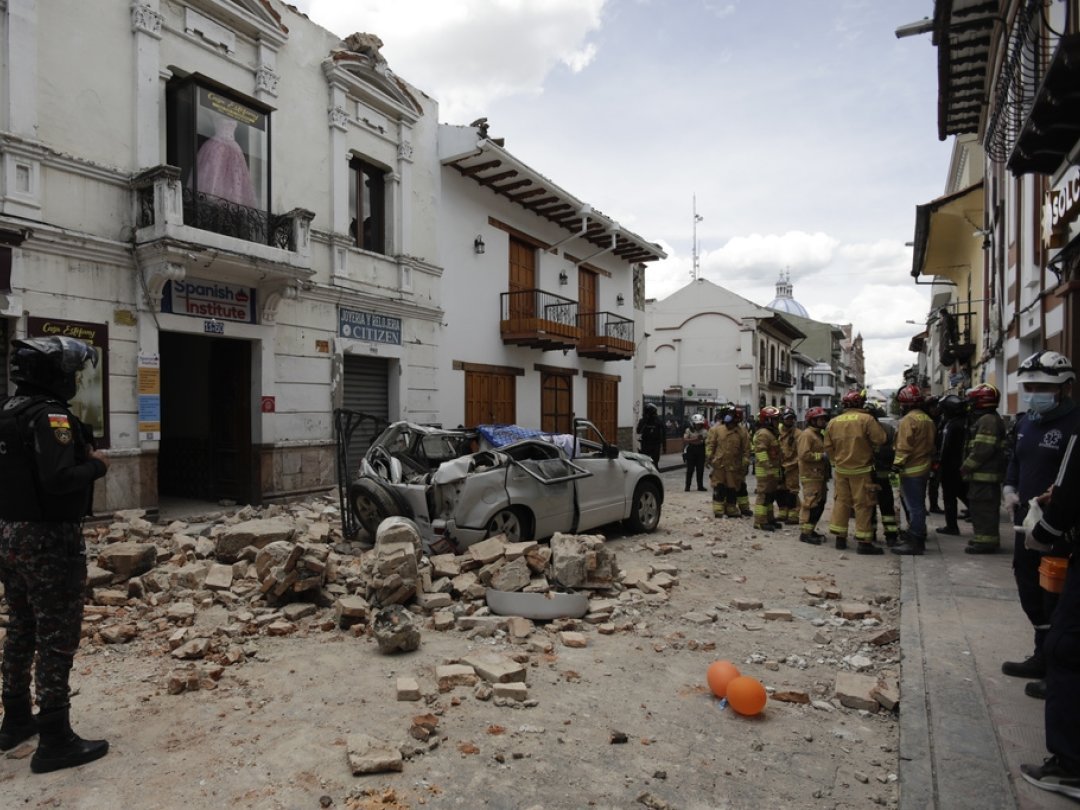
(944, 230)
(491, 166)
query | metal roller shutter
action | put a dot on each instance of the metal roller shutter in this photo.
(3, 357)
(367, 391)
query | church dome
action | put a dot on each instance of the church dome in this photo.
(784, 302)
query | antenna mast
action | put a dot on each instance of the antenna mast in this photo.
(695, 270)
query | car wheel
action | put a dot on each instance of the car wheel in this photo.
(371, 503)
(645, 512)
(509, 523)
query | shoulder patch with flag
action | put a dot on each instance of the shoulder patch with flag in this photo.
(59, 420)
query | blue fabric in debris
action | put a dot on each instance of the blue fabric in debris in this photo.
(502, 435)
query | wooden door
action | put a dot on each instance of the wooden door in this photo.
(587, 300)
(489, 399)
(556, 403)
(604, 405)
(522, 279)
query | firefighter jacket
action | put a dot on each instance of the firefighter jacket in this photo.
(850, 439)
(811, 455)
(45, 466)
(766, 453)
(744, 436)
(789, 453)
(915, 444)
(724, 448)
(984, 459)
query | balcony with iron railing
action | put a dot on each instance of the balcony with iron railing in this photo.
(782, 378)
(539, 320)
(605, 336)
(239, 244)
(163, 204)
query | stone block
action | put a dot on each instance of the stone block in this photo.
(219, 577)
(512, 691)
(887, 636)
(538, 558)
(408, 689)
(513, 576)
(887, 693)
(779, 615)
(513, 551)
(258, 533)
(569, 638)
(855, 610)
(856, 691)
(296, 611)
(448, 676)
(369, 755)
(495, 668)
(445, 565)
(127, 560)
(746, 604)
(487, 551)
(398, 530)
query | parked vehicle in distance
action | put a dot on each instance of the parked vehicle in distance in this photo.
(462, 486)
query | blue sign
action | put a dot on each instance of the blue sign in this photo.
(369, 326)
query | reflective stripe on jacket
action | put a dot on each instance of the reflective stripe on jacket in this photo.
(766, 453)
(984, 460)
(811, 450)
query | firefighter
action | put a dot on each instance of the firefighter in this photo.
(48, 466)
(813, 466)
(883, 479)
(766, 468)
(849, 441)
(742, 497)
(787, 496)
(914, 455)
(984, 467)
(724, 452)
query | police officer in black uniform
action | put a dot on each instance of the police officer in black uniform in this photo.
(48, 466)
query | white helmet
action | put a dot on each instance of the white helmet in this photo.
(1046, 367)
(697, 419)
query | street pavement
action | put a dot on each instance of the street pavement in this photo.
(965, 728)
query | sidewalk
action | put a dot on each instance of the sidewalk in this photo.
(965, 728)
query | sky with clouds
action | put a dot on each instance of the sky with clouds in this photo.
(805, 128)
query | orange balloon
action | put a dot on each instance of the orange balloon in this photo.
(746, 695)
(719, 675)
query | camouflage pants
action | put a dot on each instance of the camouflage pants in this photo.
(43, 569)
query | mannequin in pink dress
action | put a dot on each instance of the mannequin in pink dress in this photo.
(222, 168)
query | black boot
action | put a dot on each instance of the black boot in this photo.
(19, 722)
(891, 539)
(60, 747)
(812, 539)
(914, 546)
(869, 548)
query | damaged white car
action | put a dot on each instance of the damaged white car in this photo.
(461, 486)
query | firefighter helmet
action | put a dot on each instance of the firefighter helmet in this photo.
(817, 412)
(910, 396)
(984, 396)
(787, 414)
(854, 398)
(697, 420)
(1046, 367)
(768, 415)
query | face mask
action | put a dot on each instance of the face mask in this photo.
(1041, 402)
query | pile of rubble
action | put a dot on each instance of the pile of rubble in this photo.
(264, 571)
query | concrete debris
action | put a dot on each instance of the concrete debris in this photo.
(257, 533)
(126, 560)
(582, 561)
(396, 630)
(856, 691)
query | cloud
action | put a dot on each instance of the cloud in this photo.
(469, 54)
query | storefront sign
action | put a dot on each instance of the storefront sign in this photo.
(702, 393)
(149, 391)
(369, 326)
(1064, 201)
(215, 300)
(91, 400)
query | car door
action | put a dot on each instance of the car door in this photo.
(602, 497)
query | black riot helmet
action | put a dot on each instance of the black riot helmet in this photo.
(51, 363)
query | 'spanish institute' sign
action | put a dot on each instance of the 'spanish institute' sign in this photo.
(201, 298)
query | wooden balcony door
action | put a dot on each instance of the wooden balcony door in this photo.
(522, 278)
(603, 405)
(587, 287)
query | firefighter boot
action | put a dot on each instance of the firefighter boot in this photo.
(60, 747)
(19, 722)
(891, 539)
(812, 539)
